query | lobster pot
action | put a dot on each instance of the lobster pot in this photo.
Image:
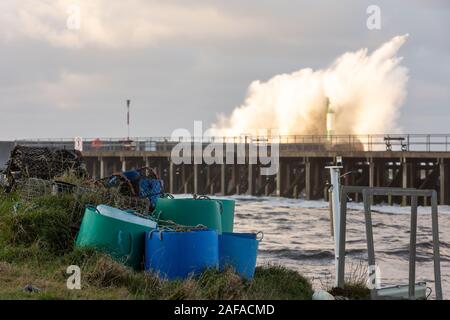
(191, 212)
(116, 232)
(239, 251)
(227, 217)
(178, 255)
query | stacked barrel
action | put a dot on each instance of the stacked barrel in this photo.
(188, 236)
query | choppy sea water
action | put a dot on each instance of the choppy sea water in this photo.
(297, 235)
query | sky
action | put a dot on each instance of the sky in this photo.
(184, 60)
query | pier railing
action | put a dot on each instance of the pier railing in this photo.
(377, 142)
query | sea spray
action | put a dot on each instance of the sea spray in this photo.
(364, 91)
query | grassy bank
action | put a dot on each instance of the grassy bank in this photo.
(37, 245)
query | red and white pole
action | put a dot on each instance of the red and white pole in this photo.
(128, 119)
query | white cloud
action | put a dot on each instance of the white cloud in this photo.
(118, 23)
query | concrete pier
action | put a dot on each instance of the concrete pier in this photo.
(301, 175)
(406, 162)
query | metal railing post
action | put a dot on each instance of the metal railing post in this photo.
(436, 254)
(412, 249)
(369, 236)
(342, 237)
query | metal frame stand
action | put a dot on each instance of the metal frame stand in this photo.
(368, 194)
(335, 190)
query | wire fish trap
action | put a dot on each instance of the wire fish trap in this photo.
(3, 180)
(92, 195)
(43, 163)
(32, 189)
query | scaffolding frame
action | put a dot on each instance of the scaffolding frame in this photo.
(368, 193)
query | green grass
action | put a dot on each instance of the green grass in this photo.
(352, 291)
(37, 245)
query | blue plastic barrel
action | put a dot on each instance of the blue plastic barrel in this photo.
(177, 255)
(239, 251)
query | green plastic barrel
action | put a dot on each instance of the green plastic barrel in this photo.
(227, 214)
(115, 232)
(191, 212)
